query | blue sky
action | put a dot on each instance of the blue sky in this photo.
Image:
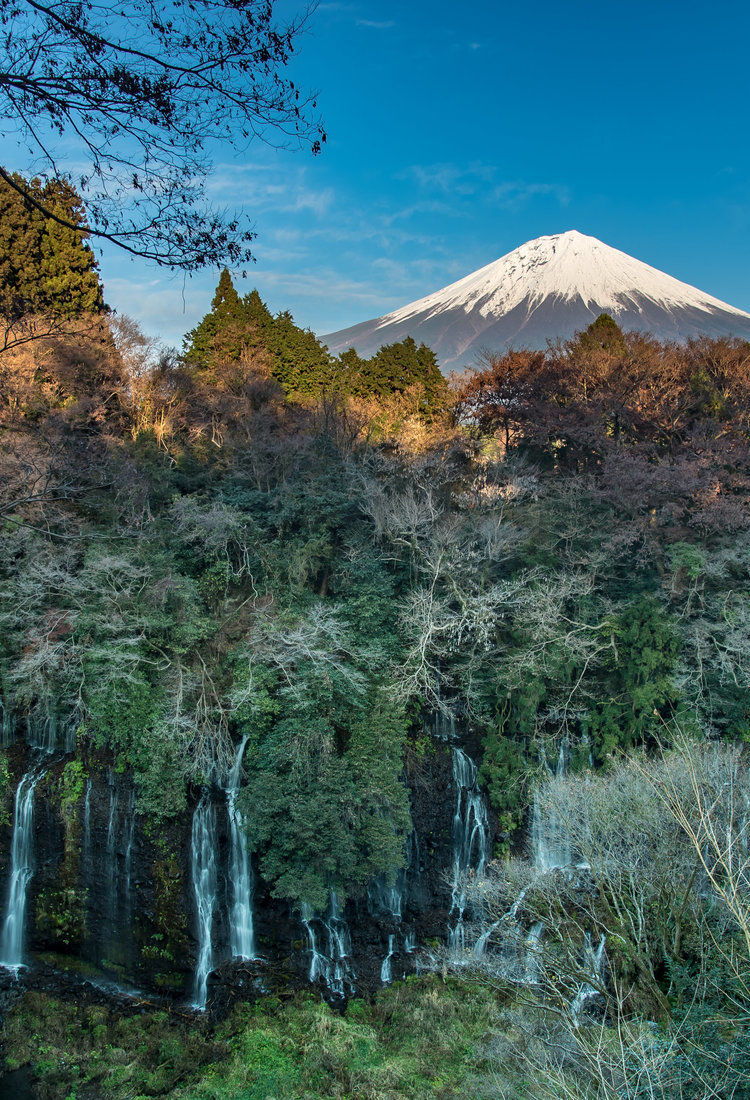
(458, 131)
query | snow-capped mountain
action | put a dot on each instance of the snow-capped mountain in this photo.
(548, 288)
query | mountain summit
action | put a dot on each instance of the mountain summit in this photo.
(550, 287)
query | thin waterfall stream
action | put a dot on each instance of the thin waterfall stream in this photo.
(22, 868)
(549, 836)
(471, 840)
(242, 930)
(330, 948)
(205, 886)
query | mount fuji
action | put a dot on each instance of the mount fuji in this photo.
(548, 288)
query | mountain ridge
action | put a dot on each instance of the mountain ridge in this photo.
(546, 289)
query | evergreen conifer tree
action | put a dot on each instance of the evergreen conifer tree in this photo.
(301, 363)
(69, 281)
(259, 316)
(45, 267)
(224, 333)
(398, 367)
(236, 325)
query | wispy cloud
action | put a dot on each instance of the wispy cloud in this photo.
(268, 188)
(375, 25)
(480, 182)
(461, 179)
(517, 195)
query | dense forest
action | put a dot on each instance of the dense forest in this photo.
(250, 560)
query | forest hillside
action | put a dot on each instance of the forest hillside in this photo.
(453, 676)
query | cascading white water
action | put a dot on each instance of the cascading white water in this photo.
(386, 970)
(551, 849)
(205, 886)
(330, 951)
(86, 841)
(471, 840)
(21, 868)
(480, 947)
(317, 961)
(241, 930)
(549, 836)
(114, 945)
(593, 962)
(111, 866)
(7, 726)
(126, 923)
(43, 731)
(533, 952)
(385, 898)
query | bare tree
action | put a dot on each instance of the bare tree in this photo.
(660, 880)
(138, 93)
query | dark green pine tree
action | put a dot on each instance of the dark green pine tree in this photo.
(21, 228)
(223, 334)
(300, 362)
(258, 316)
(602, 334)
(45, 267)
(69, 279)
(237, 325)
(396, 368)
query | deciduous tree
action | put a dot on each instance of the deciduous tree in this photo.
(141, 95)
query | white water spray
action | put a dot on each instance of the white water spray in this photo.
(386, 970)
(471, 840)
(330, 949)
(205, 886)
(549, 836)
(12, 939)
(242, 930)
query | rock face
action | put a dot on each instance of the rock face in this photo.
(547, 289)
(115, 901)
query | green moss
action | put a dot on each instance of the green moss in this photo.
(170, 941)
(6, 790)
(60, 915)
(418, 1040)
(72, 786)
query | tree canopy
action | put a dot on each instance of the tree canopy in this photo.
(236, 327)
(48, 273)
(138, 94)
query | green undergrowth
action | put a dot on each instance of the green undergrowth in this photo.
(419, 1038)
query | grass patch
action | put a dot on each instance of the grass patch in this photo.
(418, 1039)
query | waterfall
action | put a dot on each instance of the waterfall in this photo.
(382, 898)
(7, 725)
(480, 947)
(317, 961)
(471, 839)
(43, 731)
(330, 949)
(111, 867)
(114, 946)
(126, 923)
(549, 837)
(386, 971)
(533, 950)
(242, 932)
(86, 838)
(87, 861)
(593, 963)
(205, 885)
(11, 941)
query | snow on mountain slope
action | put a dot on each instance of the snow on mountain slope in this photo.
(548, 288)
